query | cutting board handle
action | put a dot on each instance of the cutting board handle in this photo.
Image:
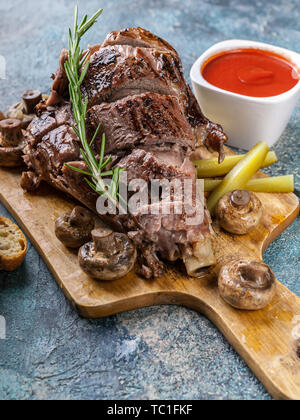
(268, 340)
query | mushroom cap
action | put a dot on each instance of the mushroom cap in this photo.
(18, 112)
(12, 157)
(11, 143)
(239, 212)
(11, 133)
(246, 284)
(74, 229)
(10, 124)
(110, 257)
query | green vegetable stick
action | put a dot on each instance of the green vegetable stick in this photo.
(240, 175)
(276, 184)
(208, 168)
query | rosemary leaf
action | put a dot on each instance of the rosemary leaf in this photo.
(105, 163)
(78, 170)
(76, 68)
(95, 135)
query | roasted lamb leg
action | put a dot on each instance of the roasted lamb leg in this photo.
(137, 91)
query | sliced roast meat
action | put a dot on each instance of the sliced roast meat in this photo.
(208, 133)
(149, 165)
(56, 148)
(137, 37)
(49, 119)
(149, 119)
(119, 71)
(170, 223)
(137, 92)
(132, 62)
(41, 126)
(116, 71)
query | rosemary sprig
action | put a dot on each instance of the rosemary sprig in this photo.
(76, 68)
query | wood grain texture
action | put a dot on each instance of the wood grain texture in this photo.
(268, 340)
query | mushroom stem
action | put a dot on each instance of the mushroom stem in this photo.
(30, 99)
(10, 132)
(240, 199)
(104, 239)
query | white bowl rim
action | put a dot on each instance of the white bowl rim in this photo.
(197, 77)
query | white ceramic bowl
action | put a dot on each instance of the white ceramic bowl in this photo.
(246, 120)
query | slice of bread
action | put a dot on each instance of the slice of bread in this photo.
(13, 245)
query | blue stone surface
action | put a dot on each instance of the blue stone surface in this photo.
(163, 352)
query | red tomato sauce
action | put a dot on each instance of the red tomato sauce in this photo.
(251, 72)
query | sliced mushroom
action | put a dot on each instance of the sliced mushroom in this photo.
(11, 143)
(239, 212)
(109, 257)
(30, 100)
(74, 229)
(245, 284)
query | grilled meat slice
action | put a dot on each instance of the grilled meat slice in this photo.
(209, 134)
(132, 62)
(149, 119)
(49, 119)
(145, 165)
(119, 71)
(51, 142)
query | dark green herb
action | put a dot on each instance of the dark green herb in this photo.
(76, 69)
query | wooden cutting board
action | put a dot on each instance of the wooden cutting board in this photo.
(268, 340)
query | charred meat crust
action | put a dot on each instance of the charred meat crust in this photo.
(137, 37)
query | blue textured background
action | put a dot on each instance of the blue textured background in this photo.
(161, 352)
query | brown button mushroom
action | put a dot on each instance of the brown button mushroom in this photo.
(109, 257)
(245, 284)
(10, 132)
(11, 143)
(30, 100)
(17, 112)
(2, 116)
(11, 157)
(74, 229)
(239, 212)
(25, 109)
